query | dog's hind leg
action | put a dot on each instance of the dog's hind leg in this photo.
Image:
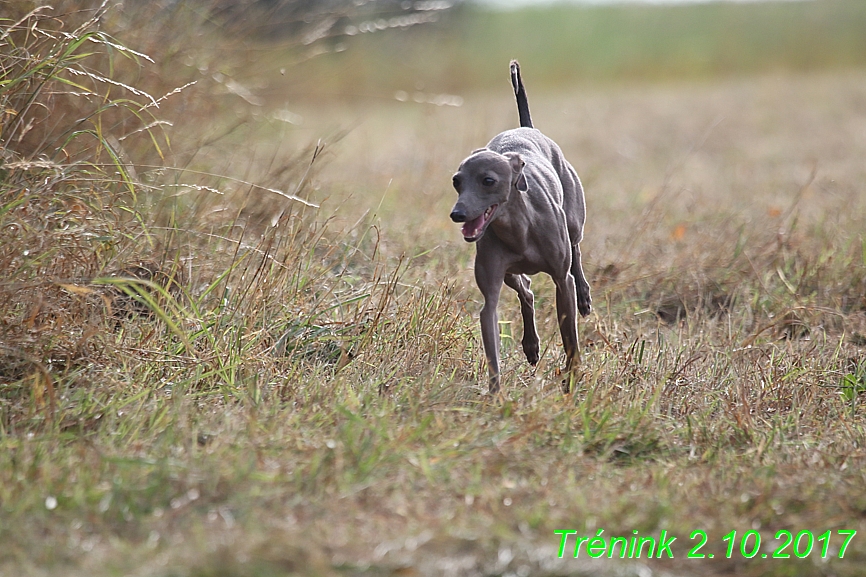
(584, 300)
(520, 283)
(566, 311)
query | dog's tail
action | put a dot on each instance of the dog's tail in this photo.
(520, 93)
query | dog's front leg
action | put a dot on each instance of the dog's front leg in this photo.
(489, 279)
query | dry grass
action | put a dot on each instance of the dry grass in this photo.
(202, 376)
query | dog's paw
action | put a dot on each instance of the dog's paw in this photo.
(531, 350)
(572, 380)
(584, 300)
(584, 305)
(493, 388)
(566, 386)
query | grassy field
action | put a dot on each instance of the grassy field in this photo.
(247, 344)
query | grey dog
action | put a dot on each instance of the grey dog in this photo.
(523, 204)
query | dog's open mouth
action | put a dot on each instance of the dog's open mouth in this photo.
(473, 229)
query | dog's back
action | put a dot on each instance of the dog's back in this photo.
(532, 143)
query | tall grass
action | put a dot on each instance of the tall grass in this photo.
(96, 243)
(67, 192)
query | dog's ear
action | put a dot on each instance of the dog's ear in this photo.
(517, 164)
(520, 184)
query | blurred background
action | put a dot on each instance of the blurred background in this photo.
(265, 51)
(400, 79)
(675, 113)
(578, 42)
(681, 117)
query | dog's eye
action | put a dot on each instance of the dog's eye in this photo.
(456, 182)
(488, 181)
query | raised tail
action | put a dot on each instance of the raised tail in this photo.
(520, 93)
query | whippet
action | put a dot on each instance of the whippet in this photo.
(522, 203)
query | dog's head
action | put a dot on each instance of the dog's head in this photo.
(484, 183)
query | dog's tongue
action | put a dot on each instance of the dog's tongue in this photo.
(472, 227)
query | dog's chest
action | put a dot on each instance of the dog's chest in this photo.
(530, 259)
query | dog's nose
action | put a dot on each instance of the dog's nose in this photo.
(457, 215)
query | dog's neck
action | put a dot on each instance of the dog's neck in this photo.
(511, 225)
